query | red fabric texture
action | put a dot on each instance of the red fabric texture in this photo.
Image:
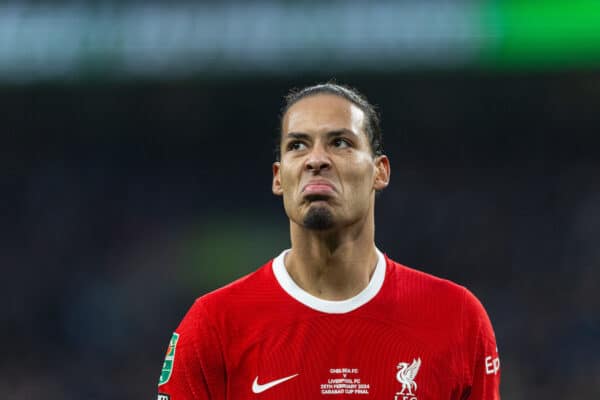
(252, 330)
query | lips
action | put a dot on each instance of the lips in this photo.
(318, 189)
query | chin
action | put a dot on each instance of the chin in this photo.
(318, 218)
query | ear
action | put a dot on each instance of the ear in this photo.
(276, 185)
(382, 173)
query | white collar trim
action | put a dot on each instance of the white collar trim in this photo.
(329, 306)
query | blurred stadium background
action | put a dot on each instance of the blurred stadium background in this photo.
(137, 144)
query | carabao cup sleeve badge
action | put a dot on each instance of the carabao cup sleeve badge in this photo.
(167, 368)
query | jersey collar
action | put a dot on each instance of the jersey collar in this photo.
(329, 306)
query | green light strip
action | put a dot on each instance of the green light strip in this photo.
(165, 41)
(541, 34)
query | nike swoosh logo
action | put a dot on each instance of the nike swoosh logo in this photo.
(257, 388)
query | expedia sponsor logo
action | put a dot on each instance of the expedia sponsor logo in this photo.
(492, 365)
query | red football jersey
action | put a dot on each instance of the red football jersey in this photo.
(406, 336)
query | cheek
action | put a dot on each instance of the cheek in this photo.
(289, 187)
(361, 174)
(287, 182)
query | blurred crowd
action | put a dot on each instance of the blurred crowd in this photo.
(123, 204)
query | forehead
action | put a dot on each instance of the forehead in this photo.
(321, 113)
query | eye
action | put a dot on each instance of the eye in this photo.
(295, 146)
(341, 143)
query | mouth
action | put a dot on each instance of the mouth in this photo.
(312, 198)
(318, 190)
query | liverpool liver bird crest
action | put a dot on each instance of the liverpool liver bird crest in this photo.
(406, 376)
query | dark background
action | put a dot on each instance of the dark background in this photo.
(124, 201)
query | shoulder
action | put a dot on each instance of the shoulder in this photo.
(414, 282)
(244, 307)
(425, 294)
(236, 299)
(239, 291)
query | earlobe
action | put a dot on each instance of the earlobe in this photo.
(382, 173)
(276, 185)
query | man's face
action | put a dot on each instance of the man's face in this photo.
(327, 174)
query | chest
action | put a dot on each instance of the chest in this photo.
(339, 357)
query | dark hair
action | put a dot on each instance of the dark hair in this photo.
(372, 128)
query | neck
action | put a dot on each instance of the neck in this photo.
(332, 264)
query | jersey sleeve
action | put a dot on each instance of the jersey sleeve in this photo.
(483, 361)
(194, 366)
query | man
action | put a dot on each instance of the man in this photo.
(332, 317)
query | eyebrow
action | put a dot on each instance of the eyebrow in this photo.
(330, 134)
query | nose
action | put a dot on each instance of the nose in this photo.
(317, 160)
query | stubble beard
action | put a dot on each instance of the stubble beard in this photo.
(318, 218)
